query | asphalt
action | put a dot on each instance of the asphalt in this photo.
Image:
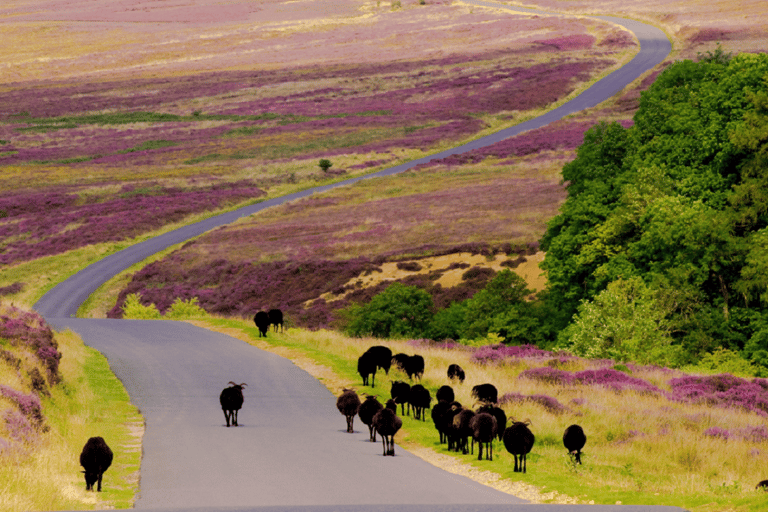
(291, 451)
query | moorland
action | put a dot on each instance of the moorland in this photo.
(120, 123)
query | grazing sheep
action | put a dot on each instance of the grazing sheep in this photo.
(462, 429)
(484, 429)
(96, 458)
(574, 440)
(763, 484)
(456, 372)
(401, 394)
(518, 440)
(415, 367)
(231, 400)
(348, 403)
(445, 393)
(387, 424)
(262, 323)
(438, 411)
(420, 400)
(366, 365)
(276, 318)
(499, 414)
(367, 411)
(383, 357)
(400, 360)
(486, 393)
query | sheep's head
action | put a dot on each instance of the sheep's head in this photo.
(235, 385)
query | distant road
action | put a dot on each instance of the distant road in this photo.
(291, 452)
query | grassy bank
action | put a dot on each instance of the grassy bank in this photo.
(43, 472)
(643, 447)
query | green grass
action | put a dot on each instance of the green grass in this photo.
(89, 402)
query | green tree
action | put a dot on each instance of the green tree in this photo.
(398, 311)
(325, 164)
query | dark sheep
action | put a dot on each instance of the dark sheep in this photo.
(486, 393)
(445, 393)
(231, 400)
(574, 440)
(518, 440)
(438, 411)
(462, 429)
(366, 366)
(447, 425)
(401, 394)
(367, 411)
(348, 403)
(762, 484)
(262, 323)
(484, 429)
(400, 360)
(499, 414)
(95, 458)
(387, 424)
(414, 367)
(456, 372)
(276, 318)
(420, 399)
(383, 357)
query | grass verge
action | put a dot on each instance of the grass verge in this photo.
(46, 474)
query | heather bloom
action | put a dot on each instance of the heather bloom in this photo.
(724, 390)
(717, 432)
(606, 377)
(29, 405)
(547, 402)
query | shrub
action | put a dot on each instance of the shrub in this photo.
(398, 311)
(325, 164)
(181, 309)
(133, 309)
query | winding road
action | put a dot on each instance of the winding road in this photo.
(291, 451)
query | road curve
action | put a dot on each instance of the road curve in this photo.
(291, 452)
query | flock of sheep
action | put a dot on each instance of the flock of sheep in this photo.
(455, 424)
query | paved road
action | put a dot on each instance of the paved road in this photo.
(291, 452)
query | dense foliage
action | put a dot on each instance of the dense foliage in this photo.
(665, 226)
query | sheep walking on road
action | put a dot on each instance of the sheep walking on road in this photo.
(518, 440)
(367, 411)
(348, 403)
(387, 424)
(574, 440)
(231, 400)
(95, 458)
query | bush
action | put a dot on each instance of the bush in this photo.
(133, 309)
(398, 311)
(182, 309)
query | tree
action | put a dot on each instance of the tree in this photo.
(324, 164)
(398, 311)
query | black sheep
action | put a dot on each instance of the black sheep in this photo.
(518, 440)
(400, 360)
(366, 366)
(262, 323)
(387, 424)
(348, 403)
(762, 484)
(499, 414)
(383, 357)
(367, 411)
(456, 372)
(574, 440)
(96, 458)
(438, 411)
(447, 425)
(420, 400)
(231, 400)
(462, 430)
(484, 429)
(445, 393)
(401, 394)
(486, 393)
(414, 367)
(276, 318)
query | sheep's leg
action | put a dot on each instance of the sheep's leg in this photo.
(479, 449)
(384, 444)
(234, 418)
(226, 416)
(350, 419)
(99, 481)
(516, 470)
(523, 463)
